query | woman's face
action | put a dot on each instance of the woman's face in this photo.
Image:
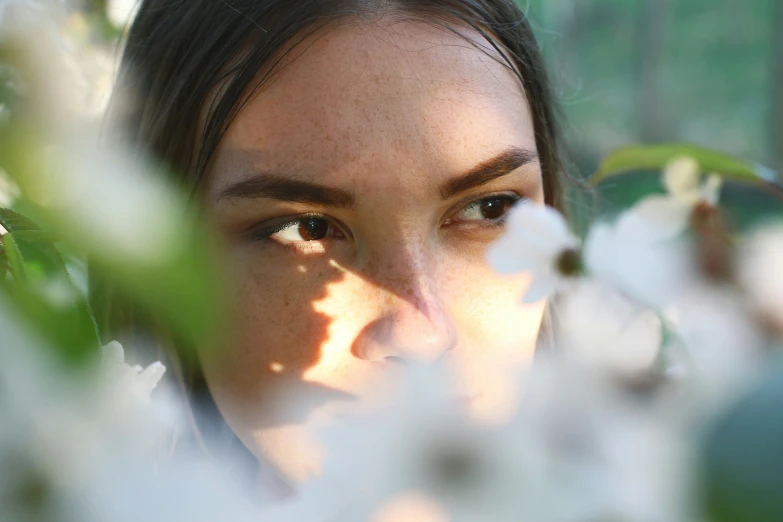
(357, 194)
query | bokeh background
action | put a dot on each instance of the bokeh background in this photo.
(701, 71)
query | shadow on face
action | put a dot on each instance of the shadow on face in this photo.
(357, 194)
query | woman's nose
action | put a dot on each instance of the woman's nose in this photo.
(412, 322)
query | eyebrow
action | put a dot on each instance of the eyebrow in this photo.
(489, 170)
(274, 186)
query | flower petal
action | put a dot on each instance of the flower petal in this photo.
(508, 256)
(541, 225)
(541, 286)
(113, 353)
(710, 189)
(655, 218)
(681, 178)
(535, 236)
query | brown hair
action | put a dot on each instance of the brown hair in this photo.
(178, 54)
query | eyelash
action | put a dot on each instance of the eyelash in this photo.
(266, 233)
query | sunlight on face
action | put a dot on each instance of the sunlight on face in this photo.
(358, 193)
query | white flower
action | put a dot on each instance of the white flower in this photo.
(538, 241)
(761, 271)
(649, 267)
(715, 341)
(604, 455)
(134, 380)
(605, 329)
(681, 179)
(425, 444)
(666, 216)
(108, 202)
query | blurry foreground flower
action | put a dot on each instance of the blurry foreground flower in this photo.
(70, 451)
(761, 272)
(425, 446)
(714, 341)
(603, 328)
(538, 241)
(135, 380)
(664, 217)
(602, 453)
(648, 268)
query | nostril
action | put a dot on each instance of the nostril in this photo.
(396, 360)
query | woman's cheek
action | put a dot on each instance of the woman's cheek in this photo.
(498, 337)
(277, 333)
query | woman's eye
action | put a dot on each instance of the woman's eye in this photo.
(308, 228)
(493, 208)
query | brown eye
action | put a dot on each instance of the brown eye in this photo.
(494, 208)
(491, 209)
(301, 230)
(313, 228)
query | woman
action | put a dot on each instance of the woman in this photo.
(358, 157)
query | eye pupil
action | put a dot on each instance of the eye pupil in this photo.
(493, 208)
(312, 229)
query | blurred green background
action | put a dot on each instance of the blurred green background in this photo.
(708, 72)
(700, 71)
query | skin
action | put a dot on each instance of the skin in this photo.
(390, 113)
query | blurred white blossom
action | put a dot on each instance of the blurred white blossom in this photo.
(537, 241)
(110, 202)
(648, 267)
(72, 449)
(663, 217)
(715, 341)
(135, 380)
(761, 271)
(425, 443)
(604, 328)
(604, 454)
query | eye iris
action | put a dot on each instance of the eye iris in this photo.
(494, 208)
(312, 229)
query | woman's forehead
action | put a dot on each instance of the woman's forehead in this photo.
(379, 97)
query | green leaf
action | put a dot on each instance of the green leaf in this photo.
(13, 221)
(69, 330)
(15, 259)
(175, 283)
(41, 256)
(35, 237)
(741, 471)
(655, 157)
(182, 293)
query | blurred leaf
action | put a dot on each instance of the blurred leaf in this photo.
(14, 222)
(742, 459)
(15, 259)
(182, 292)
(111, 209)
(36, 237)
(69, 327)
(4, 266)
(70, 330)
(41, 257)
(655, 157)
